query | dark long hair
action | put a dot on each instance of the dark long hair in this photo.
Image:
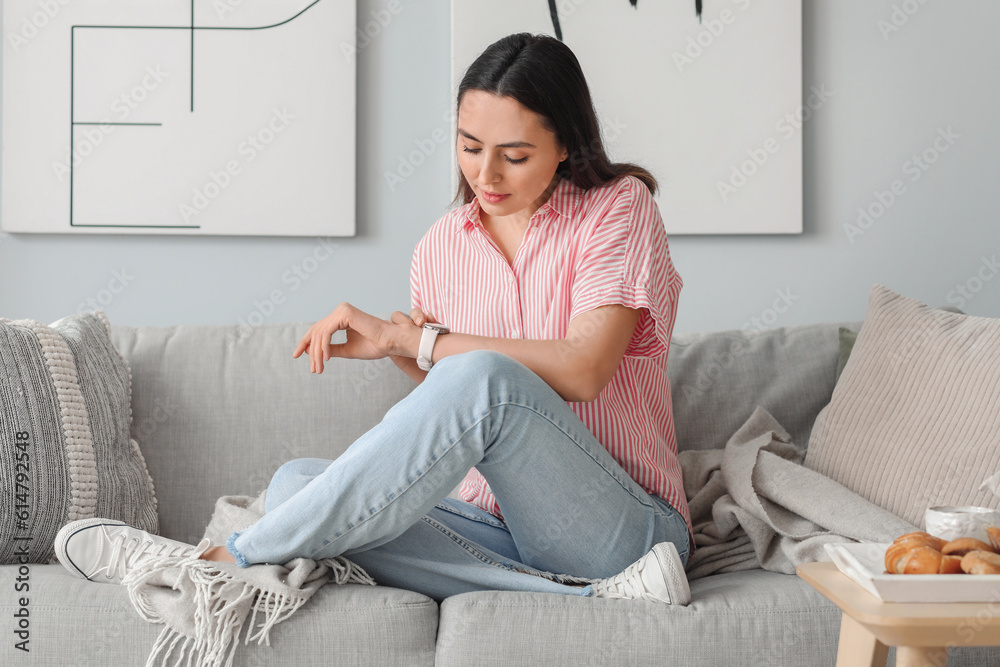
(544, 75)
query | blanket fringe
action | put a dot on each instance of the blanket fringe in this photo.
(221, 605)
(344, 571)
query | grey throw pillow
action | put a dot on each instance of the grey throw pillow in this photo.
(65, 421)
(846, 338)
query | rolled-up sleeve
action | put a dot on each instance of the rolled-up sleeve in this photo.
(627, 261)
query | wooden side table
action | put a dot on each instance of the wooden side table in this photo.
(921, 633)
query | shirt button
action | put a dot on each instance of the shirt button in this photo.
(510, 279)
(515, 335)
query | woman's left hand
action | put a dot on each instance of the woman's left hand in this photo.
(368, 337)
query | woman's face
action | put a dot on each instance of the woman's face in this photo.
(503, 149)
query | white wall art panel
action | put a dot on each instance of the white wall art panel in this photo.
(179, 117)
(706, 94)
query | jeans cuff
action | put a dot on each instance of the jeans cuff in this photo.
(231, 548)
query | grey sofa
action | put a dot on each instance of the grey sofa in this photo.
(216, 409)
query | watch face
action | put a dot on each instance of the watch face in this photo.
(440, 328)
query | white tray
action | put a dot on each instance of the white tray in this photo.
(865, 564)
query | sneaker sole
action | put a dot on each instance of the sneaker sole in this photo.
(673, 570)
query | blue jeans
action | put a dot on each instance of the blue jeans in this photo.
(571, 513)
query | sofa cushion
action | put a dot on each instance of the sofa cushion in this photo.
(219, 408)
(718, 378)
(847, 340)
(65, 418)
(754, 617)
(913, 421)
(849, 336)
(77, 622)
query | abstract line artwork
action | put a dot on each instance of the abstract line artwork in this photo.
(554, 12)
(176, 117)
(710, 101)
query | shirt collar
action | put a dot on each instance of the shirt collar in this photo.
(564, 201)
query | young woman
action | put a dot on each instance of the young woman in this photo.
(548, 399)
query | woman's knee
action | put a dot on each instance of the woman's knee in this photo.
(290, 477)
(485, 363)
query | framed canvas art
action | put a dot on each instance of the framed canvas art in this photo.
(706, 94)
(178, 117)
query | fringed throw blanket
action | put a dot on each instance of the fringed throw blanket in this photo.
(753, 505)
(204, 604)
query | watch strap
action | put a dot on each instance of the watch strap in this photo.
(426, 349)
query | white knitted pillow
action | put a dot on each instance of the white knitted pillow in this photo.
(914, 420)
(65, 420)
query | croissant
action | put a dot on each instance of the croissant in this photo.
(964, 545)
(921, 553)
(921, 536)
(922, 560)
(981, 562)
(908, 542)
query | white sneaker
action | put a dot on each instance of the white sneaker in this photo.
(104, 550)
(658, 576)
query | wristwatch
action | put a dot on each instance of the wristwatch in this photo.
(427, 338)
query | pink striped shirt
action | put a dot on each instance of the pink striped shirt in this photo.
(582, 249)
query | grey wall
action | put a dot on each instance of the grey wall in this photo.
(891, 93)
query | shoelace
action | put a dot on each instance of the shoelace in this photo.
(124, 555)
(629, 582)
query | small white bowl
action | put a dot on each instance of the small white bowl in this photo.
(951, 523)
